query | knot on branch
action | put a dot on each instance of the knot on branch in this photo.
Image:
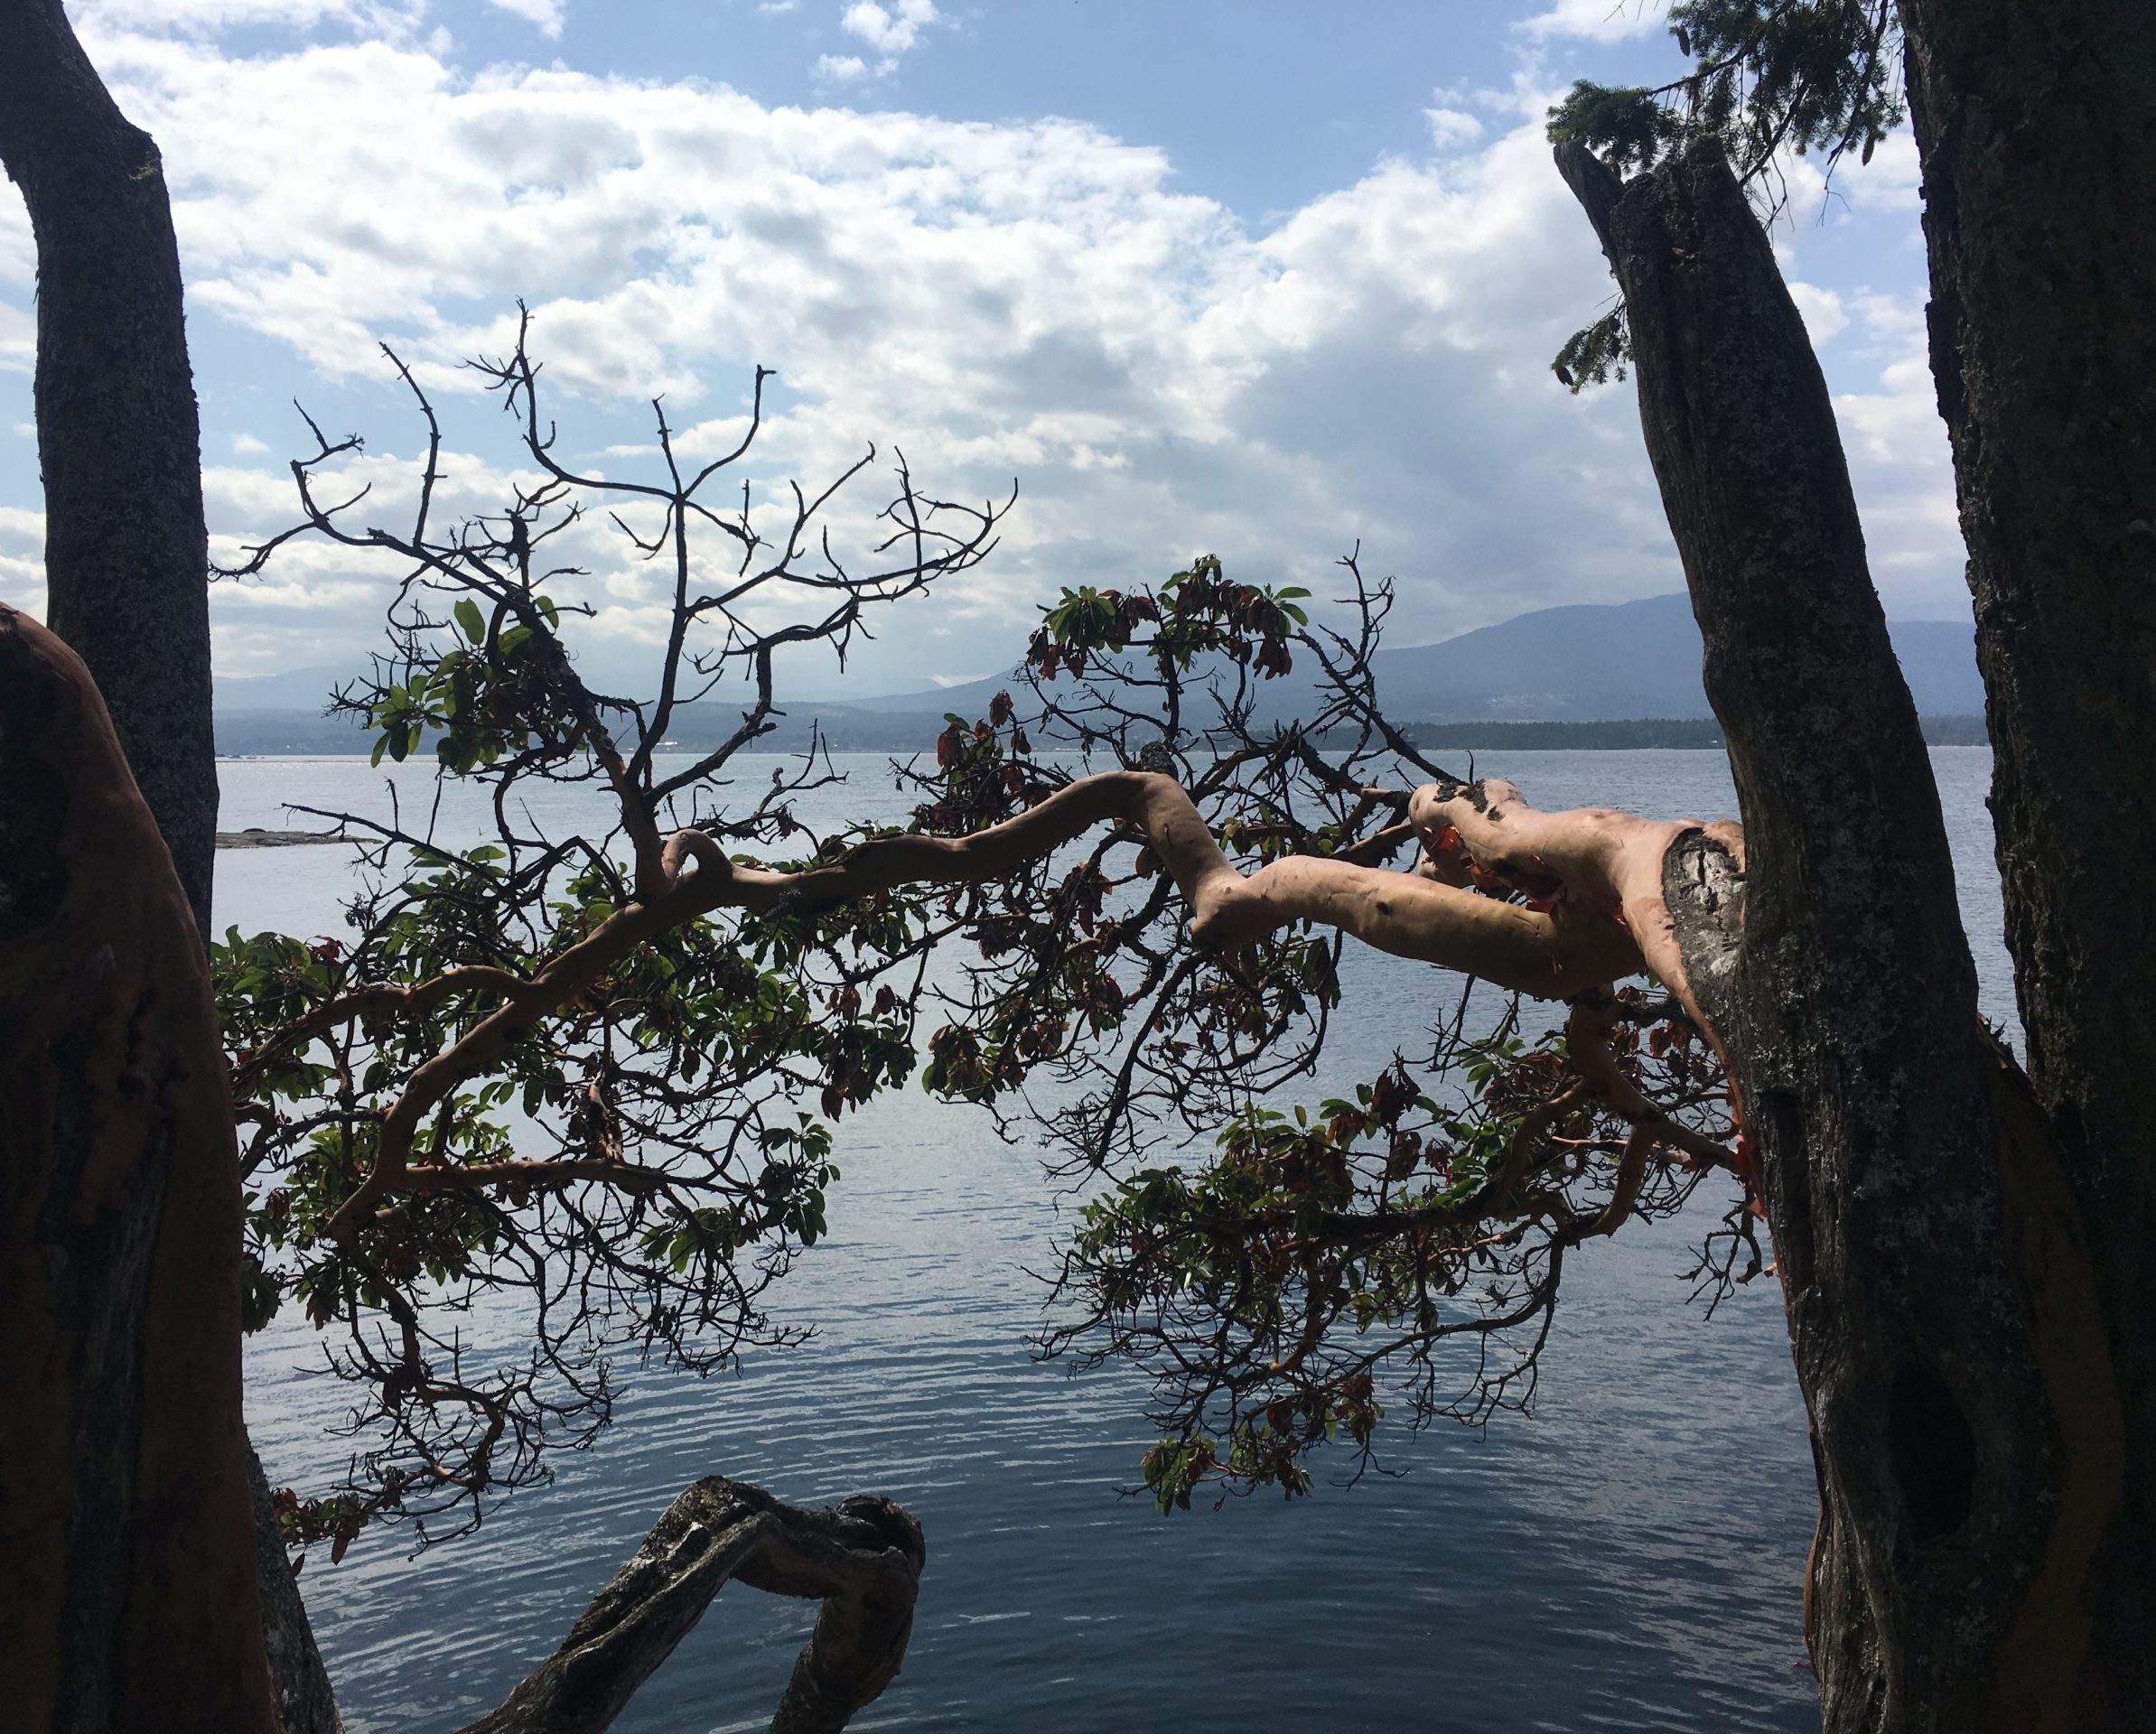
(699, 846)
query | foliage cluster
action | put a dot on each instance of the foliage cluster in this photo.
(565, 1093)
(1766, 76)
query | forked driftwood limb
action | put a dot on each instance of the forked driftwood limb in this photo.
(861, 1558)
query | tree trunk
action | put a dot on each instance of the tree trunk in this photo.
(126, 562)
(127, 559)
(2036, 127)
(1964, 1423)
(128, 1598)
(861, 1558)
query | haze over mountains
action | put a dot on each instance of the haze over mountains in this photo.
(1582, 663)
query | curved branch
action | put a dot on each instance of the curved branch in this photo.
(861, 1558)
(1605, 863)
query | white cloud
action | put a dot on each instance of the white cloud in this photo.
(1900, 464)
(1451, 128)
(1601, 21)
(18, 339)
(1822, 310)
(891, 30)
(841, 69)
(1030, 298)
(1890, 182)
(391, 19)
(248, 446)
(546, 14)
(22, 559)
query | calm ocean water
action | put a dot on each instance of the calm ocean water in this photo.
(1628, 1557)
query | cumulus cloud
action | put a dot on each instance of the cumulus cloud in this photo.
(889, 29)
(1451, 128)
(22, 559)
(1900, 464)
(1822, 310)
(1601, 21)
(392, 19)
(1033, 299)
(546, 14)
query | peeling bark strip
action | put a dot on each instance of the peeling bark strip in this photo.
(863, 1558)
(1959, 1441)
(127, 1577)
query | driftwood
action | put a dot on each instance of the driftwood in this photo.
(862, 1557)
(256, 838)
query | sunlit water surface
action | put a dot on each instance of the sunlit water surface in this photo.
(1628, 1557)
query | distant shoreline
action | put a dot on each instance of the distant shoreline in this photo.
(298, 735)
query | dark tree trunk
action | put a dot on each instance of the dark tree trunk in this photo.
(2037, 127)
(126, 560)
(127, 1578)
(1965, 1425)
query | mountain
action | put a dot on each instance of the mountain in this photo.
(295, 689)
(1584, 662)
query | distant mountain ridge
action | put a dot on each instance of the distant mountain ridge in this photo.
(1584, 662)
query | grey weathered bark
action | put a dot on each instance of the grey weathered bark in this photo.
(861, 1558)
(306, 1701)
(128, 1577)
(2036, 130)
(1939, 1293)
(127, 557)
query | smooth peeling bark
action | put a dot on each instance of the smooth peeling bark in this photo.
(1552, 953)
(1608, 865)
(1926, 1324)
(861, 1557)
(2035, 126)
(128, 1572)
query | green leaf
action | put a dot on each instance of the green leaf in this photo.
(471, 619)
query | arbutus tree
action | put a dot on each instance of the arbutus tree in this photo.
(1956, 1253)
(1956, 1240)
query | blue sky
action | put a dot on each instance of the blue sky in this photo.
(1256, 278)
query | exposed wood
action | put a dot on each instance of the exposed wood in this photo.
(861, 1558)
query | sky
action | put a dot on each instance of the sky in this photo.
(1252, 277)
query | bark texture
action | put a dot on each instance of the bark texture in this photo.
(126, 562)
(2037, 128)
(127, 559)
(128, 1576)
(861, 1558)
(1935, 1283)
